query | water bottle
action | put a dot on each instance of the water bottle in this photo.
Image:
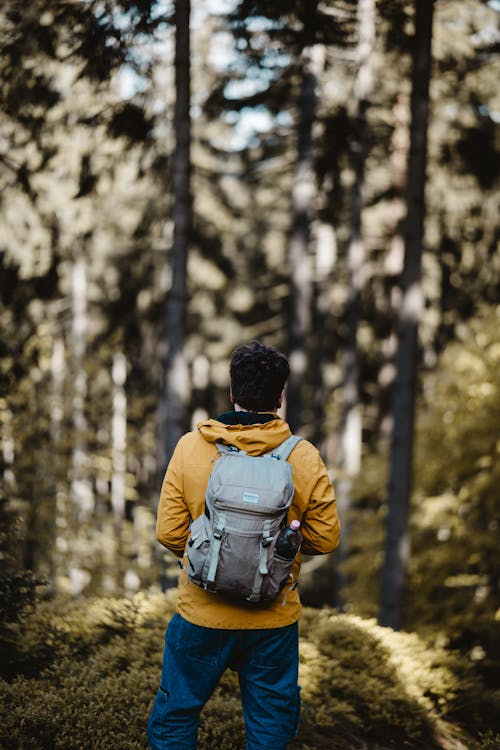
(289, 541)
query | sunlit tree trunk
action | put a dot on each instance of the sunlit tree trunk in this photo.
(81, 491)
(7, 489)
(323, 433)
(118, 465)
(299, 251)
(201, 389)
(119, 437)
(351, 424)
(394, 260)
(58, 370)
(397, 542)
(8, 451)
(176, 382)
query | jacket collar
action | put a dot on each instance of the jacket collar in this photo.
(263, 433)
(245, 417)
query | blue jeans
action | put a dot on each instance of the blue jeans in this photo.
(195, 658)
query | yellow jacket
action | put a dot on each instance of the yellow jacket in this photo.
(182, 499)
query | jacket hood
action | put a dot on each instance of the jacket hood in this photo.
(254, 439)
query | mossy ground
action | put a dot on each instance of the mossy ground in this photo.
(83, 676)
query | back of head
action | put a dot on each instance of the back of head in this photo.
(258, 376)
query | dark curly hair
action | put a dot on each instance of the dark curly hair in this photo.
(258, 376)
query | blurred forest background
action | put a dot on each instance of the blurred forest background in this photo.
(178, 179)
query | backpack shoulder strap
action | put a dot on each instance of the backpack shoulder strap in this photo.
(226, 448)
(283, 450)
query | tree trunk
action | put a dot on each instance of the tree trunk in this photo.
(351, 425)
(323, 433)
(173, 418)
(8, 452)
(394, 262)
(397, 542)
(176, 386)
(119, 438)
(81, 491)
(299, 253)
(60, 509)
(351, 416)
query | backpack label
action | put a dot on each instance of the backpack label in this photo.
(249, 497)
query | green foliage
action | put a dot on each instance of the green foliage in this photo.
(456, 564)
(360, 683)
(74, 172)
(17, 598)
(92, 664)
(83, 168)
(377, 678)
(17, 593)
(488, 741)
(452, 591)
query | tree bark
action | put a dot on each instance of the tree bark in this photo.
(60, 506)
(351, 417)
(176, 386)
(351, 424)
(81, 490)
(323, 433)
(119, 439)
(299, 252)
(394, 262)
(397, 541)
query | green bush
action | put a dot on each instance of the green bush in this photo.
(102, 664)
(17, 594)
(362, 685)
(17, 598)
(452, 586)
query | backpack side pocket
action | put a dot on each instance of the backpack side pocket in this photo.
(198, 550)
(280, 575)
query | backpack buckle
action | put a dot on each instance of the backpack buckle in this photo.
(267, 537)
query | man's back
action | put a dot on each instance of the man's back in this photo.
(183, 497)
(211, 632)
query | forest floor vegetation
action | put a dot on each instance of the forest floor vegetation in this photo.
(82, 674)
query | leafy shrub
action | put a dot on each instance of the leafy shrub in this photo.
(389, 687)
(456, 562)
(452, 587)
(362, 685)
(488, 741)
(17, 594)
(103, 660)
(17, 597)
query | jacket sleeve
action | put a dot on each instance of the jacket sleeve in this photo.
(173, 518)
(320, 525)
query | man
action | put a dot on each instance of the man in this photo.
(210, 633)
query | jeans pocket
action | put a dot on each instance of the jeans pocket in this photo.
(195, 644)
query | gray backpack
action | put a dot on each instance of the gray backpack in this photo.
(231, 549)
